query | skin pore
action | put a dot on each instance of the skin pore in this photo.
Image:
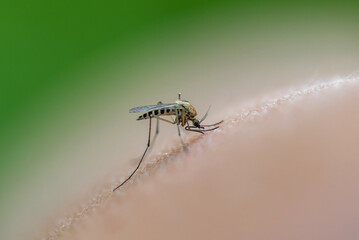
(282, 167)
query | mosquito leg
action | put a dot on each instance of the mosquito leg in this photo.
(193, 130)
(211, 125)
(148, 145)
(200, 130)
(180, 136)
(179, 132)
(165, 120)
(156, 133)
(135, 160)
(155, 136)
(157, 128)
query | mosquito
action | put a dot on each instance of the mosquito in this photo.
(180, 114)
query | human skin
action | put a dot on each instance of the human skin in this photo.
(283, 167)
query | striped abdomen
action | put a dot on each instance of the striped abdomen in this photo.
(158, 112)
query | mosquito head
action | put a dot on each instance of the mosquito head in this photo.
(196, 123)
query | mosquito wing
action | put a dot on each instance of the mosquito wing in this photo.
(154, 107)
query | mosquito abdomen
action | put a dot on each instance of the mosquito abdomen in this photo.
(156, 113)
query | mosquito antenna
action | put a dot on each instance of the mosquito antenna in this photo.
(205, 116)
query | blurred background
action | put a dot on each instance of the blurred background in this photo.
(70, 70)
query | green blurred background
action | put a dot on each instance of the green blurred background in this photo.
(69, 70)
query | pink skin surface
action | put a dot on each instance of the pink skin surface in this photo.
(283, 167)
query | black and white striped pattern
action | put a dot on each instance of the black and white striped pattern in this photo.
(158, 112)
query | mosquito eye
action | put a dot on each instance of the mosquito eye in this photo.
(196, 123)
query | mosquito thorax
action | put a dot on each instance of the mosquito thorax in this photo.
(191, 112)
